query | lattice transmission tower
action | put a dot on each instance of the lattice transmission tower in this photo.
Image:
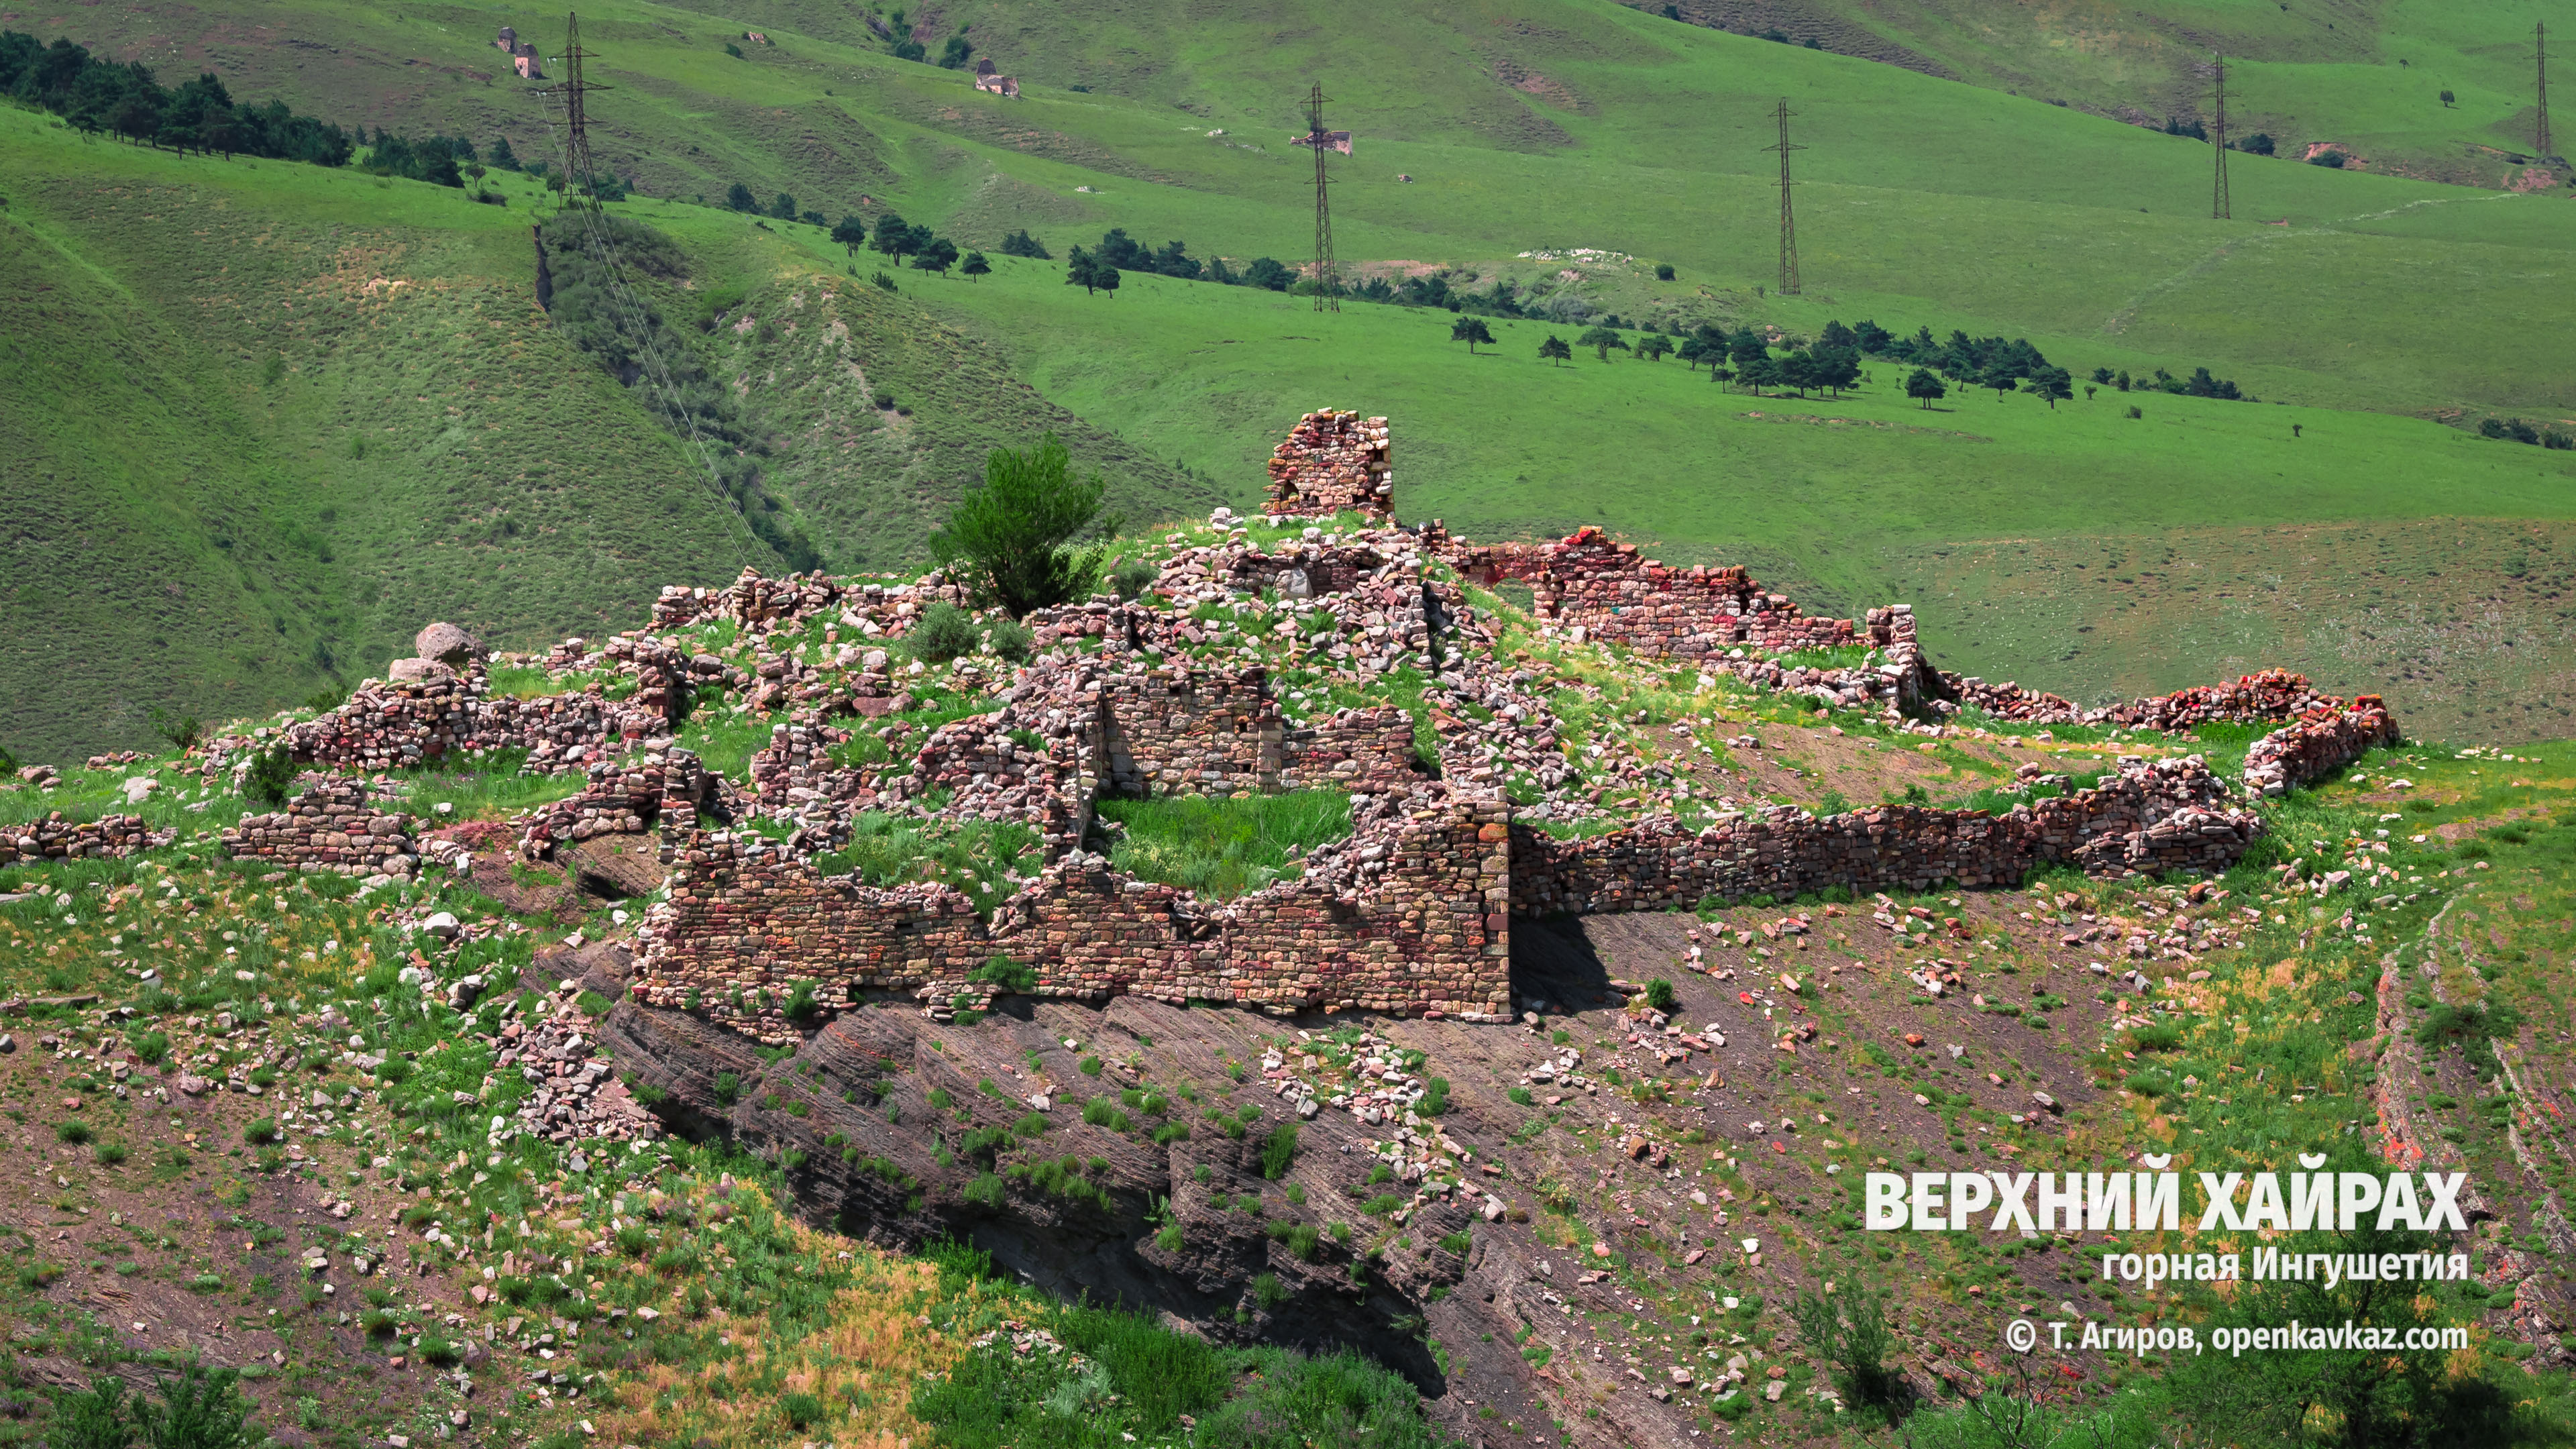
(1328, 283)
(1788, 220)
(2540, 57)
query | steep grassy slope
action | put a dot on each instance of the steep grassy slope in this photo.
(1565, 123)
(264, 421)
(346, 402)
(2368, 79)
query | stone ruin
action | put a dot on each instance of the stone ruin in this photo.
(989, 78)
(58, 838)
(330, 827)
(1410, 913)
(1332, 462)
(523, 55)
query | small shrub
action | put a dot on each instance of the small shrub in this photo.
(1010, 639)
(75, 1133)
(941, 634)
(803, 1411)
(111, 1153)
(1435, 1097)
(1004, 974)
(1520, 1096)
(1659, 995)
(271, 771)
(728, 1089)
(182, 731)
(1278, 1151)
(1132, 578)
(1267, 1289)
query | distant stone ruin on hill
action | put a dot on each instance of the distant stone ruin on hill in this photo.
(1455, 807)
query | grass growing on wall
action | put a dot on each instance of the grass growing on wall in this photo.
(1224, 848)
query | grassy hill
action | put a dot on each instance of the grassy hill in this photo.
(2377, 306)
(2101, 554)
(264, 421)
(2368, 80)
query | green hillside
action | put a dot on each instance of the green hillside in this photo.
(263, 421)
(2379, 308)
(1560, 124)
(2073, 546)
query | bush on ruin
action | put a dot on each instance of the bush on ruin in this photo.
(1005, 974)
(943, 633)
(270, 771)
(1012, 540)
(1010, 639)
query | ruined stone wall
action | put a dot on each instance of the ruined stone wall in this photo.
(2324, 740)
(57, 838)
(657, 789)
(2270, 694)
(1332, 462)
(1408, 915)
(751, 599)
(332, 827)
(1611, 591)
(745, 921)
(1190, 732)
(1360, 750)
(2155, 816)
(402, 723)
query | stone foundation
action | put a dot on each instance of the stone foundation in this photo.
(330, 827)
(2156, 816)
(56, 838)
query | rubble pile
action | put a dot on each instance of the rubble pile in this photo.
(576, 1096)
(2325, 739)
(58, 838)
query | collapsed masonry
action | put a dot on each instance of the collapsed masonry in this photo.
(331, 827)
(1410, 913)
(1333, 462)
(58, 838)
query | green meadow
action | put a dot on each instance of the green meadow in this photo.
(244, 472)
